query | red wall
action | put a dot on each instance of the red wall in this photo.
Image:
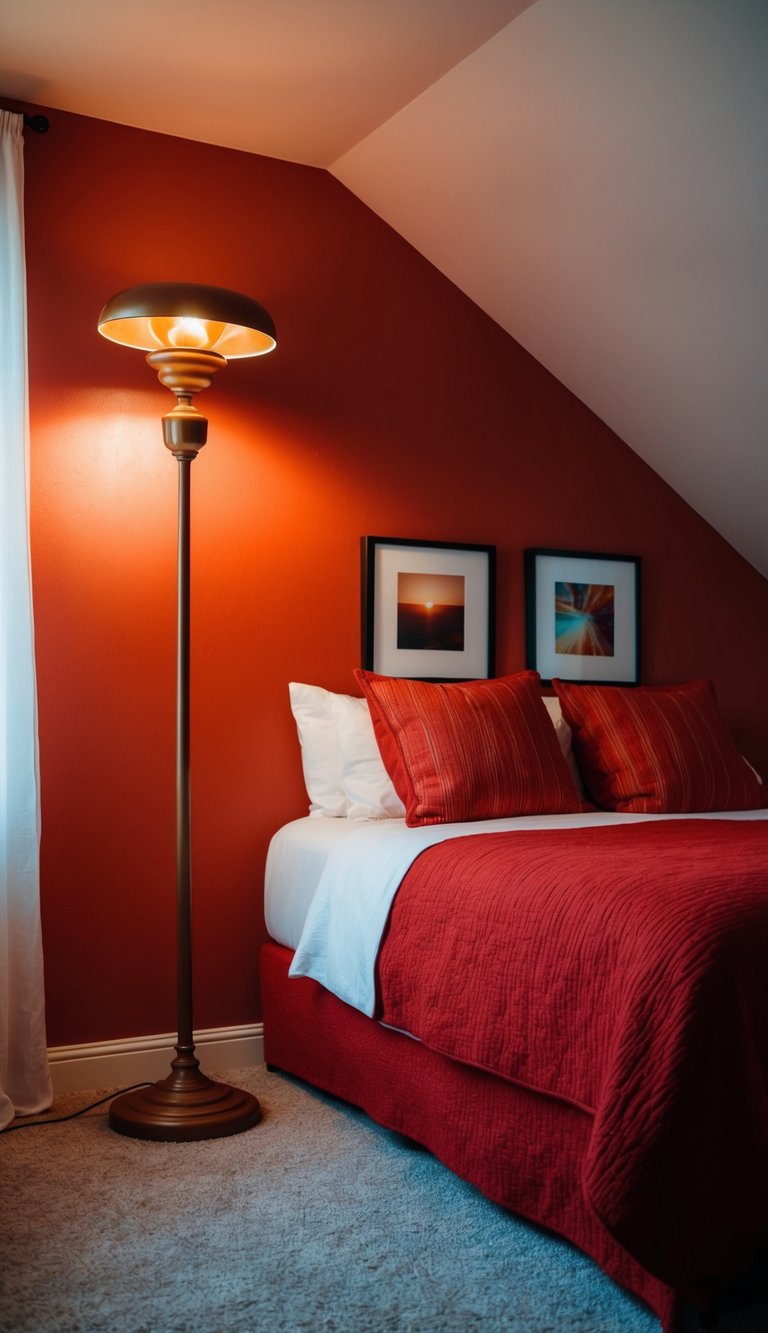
(392, 406)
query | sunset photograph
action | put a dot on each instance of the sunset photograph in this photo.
(584, 619)
(430, 612)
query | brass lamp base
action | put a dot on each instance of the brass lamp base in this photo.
(184, 1107)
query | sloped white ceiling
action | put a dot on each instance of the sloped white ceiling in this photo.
(601, 189)
(593, 173)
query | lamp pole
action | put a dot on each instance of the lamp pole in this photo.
(185, 1048)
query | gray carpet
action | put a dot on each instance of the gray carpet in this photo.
(315, 1220)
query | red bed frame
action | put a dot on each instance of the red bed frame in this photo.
(470, 1119)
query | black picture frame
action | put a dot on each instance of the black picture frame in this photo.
(591, 633)
(451, 636)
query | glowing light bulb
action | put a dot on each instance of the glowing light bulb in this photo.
(187, 331)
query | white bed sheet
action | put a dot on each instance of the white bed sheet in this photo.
(295, 861)
(347, 914)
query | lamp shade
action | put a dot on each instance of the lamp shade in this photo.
(188, 316)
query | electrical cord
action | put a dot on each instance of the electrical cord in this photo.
(58, 1120)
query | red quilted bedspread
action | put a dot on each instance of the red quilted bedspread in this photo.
(625, 970)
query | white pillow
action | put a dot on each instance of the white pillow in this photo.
(367, 784)
(565, 737)
(320, 756)
(343, 770)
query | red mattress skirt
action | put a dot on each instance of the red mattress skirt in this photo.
(530, 1147)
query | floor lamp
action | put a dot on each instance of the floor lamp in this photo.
(189, 332)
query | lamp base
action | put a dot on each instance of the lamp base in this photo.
(184, 1107)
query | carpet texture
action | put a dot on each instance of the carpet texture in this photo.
(314, 1220)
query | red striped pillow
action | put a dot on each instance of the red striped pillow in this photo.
(480, 749)
(657, 749)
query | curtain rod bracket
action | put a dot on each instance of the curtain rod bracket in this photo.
(40, 124)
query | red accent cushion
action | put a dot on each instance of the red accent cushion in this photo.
(480, 749)
(657, 749)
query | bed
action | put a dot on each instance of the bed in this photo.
(568, 1008)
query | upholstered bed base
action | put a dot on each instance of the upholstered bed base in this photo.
(521, 1149)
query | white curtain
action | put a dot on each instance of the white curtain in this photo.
(25, 1084)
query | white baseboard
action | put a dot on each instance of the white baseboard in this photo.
(111, 1064)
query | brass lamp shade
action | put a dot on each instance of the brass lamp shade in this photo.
(188, 316)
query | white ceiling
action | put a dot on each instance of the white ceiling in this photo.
(594, 175)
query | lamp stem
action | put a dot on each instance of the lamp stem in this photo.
(185, 1045)
(186, 1105)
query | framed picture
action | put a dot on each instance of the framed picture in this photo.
(428, 609)
(582, 614)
